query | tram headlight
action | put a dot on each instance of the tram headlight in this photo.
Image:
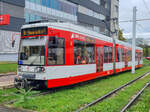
(39, 69)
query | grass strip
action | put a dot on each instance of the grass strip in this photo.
(7, 95)
(143, 102)
(6, 67)
(116, 103)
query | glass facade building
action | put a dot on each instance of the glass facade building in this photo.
(48, 9)
(88, 13)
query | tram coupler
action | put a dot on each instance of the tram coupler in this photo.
(20, 82)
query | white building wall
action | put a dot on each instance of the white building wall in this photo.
(7, 51)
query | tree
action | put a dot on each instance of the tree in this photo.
(120, 35)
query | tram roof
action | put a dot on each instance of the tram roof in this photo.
(78, 29)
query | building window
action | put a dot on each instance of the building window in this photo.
(96, 1)
(38, 2)
(56, 51)
(58, 5)
(44, 2)
(116, 9)
(48, 3)
(32, 1)
(97, 29)
(38, 18)
(32, 17)
(52, 3)
(102, 29)
(27, 17)
(90, 53)
(79, 52)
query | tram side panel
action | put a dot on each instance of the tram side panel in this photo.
(58, 73)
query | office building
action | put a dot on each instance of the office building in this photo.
(9, 34)
(92, 14)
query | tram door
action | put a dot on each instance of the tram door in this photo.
(99, 51)
(138, 58)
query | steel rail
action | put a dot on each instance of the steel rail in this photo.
(135, 98)
(111, 93)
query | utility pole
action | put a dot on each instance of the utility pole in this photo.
(133, 39)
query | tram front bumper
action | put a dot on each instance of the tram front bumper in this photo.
(25, 81)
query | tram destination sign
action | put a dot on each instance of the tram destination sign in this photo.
(34, 31)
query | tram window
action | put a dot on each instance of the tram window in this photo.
(32, 55)
(123, 55)
(79, 52)
(110, 54)
(118, 55)
(129, 55)
(136, 56)
(106, 54)
(90, 53)
(56, 51)
(141, 55)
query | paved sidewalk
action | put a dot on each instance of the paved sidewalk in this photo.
(7, 109)
(6, 74)
(7, 81)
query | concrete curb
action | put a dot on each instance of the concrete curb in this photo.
(7, 74)
(7, 86)
(13, 109)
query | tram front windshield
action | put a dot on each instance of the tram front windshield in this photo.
(32, 51)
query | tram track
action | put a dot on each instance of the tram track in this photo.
(134, 98)
(112, 92)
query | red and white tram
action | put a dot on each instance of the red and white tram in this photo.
(60, 54)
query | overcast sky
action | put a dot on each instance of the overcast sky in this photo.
(126, 12)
